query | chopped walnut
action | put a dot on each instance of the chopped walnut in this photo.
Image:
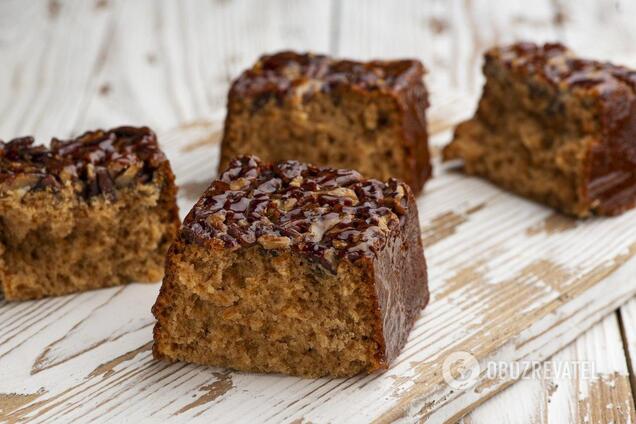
(383, 222)
(127, 177)
(320, 226)
(289, 204)
(90, 171)
(217, 221)
(296, 182)
(344, 192)
(270, 241)
(20, 181)
(239, 184)
(307, 87)
(330, 255)
(339, 244)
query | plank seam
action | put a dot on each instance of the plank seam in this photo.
(628, 359)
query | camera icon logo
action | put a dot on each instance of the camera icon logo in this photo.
(460, 370)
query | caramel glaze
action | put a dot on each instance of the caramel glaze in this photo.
(278, 74)
(96, 162)
(327, 214)
(289, 74)
(609, 172)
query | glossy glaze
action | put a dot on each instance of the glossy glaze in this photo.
(326, 213)
(98, 160)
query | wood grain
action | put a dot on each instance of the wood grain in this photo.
(102, 63)
(509, 279)
(587, 382)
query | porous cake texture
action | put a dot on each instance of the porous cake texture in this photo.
(367, 116)
(555, 128)
(90, 212)
(293, 268)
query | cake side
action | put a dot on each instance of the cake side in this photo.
(92, 212)
(546, 128)
(290, 268)
(611, 171)
(402, 287)
(344, 114)
(414, 102)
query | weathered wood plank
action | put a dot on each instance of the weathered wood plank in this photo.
(75, 65)
(172, 62)
(627, 316)
(505, 277)
(587, 382)
(49, 53)
(600, 29)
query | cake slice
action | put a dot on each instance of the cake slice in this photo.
(91, 212)
(295, 269)
(370, 116)
(555, 128)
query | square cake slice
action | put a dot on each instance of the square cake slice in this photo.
(370, 116)
(555, 128)
(295, 269)
(91, 212)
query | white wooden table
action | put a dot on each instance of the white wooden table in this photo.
(68, 66)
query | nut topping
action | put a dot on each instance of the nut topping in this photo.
(269, 241)
(344, 192)
(328, 214)
(94, 163)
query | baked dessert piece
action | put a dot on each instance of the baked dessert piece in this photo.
(295, 269)
(555, 128)
(370, 117)
(92, 212)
